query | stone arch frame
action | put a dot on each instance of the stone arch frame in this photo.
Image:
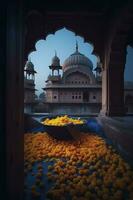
(51, 28)
(55, 21)
(43, 29)
(14, 88)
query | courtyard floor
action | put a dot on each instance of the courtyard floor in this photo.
(86, 168)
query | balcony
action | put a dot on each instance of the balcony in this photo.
(54, 78)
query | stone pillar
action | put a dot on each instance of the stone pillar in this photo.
(3, 61)
(113, 83)
(115, 90)
(104, 92)
(14, 102)
(33, 77)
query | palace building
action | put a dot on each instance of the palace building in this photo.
(77, 90)
(72, 88)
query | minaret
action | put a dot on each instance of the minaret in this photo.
(77, 46)
(29, 72)
(55, 65)
(29, 87)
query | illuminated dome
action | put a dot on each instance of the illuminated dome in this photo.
(77, 59)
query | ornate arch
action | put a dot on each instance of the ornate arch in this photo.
(34, 30)
(39, 25)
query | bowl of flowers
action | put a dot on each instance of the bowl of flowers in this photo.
(63, 127)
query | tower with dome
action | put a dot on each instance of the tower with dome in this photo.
(77, 90)
(30, 98)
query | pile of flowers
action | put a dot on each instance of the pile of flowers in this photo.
(83, 169)
(61, 121)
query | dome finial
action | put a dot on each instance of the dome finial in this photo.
(55, 53)
(76, 46)
(55, 60)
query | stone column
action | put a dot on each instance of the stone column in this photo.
(104, 92)
(3, 61)
(115, 90)
(14, 102)
(113, 84)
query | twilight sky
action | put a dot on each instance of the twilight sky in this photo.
(64, 42)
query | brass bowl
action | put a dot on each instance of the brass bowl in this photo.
(66, 132)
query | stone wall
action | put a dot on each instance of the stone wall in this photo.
(128, 99)
(74, 109)
(73, 95)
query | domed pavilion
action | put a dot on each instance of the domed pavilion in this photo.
(29, 87)
(77, 90)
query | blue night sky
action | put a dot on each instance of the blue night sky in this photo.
(64, 42)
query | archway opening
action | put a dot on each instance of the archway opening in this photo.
(65, 77)
(55, 63)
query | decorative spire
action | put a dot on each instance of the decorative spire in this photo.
(76, 46)
(55, 60)
(55, 53)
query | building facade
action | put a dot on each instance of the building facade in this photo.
(77, 90)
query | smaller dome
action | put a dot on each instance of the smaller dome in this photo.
(29, 66)
(55, 60)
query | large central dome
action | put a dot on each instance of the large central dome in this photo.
(77, 59)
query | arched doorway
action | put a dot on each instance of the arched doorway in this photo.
(79, 80)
